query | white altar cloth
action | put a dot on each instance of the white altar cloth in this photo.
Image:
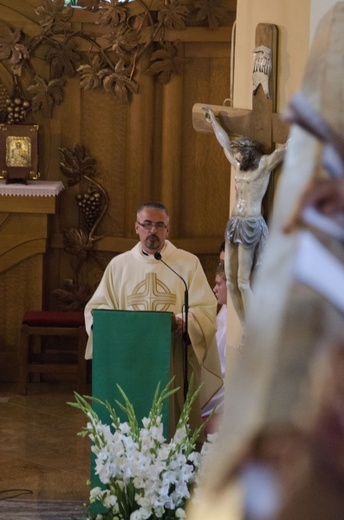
(32, 189)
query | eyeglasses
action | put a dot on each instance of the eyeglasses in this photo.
(149, 225)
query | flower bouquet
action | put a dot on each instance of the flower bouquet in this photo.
(143, 475)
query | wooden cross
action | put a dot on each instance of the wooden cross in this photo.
(261, 123)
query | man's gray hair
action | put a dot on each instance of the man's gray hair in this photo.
(154, 205)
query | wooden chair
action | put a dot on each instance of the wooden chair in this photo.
(36, 359)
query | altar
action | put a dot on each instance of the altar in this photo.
(24, 226)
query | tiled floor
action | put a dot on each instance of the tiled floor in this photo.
(41, 455)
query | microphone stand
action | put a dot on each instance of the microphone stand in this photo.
(185, 334)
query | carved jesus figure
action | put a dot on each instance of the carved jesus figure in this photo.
(246, 229)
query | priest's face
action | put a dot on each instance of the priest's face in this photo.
(152, 227)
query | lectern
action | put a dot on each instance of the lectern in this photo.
(131, 349)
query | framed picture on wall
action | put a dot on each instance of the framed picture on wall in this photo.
(19, 153)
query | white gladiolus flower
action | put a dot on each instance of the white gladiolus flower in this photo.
(109, 501)
(124, 428)
(94, 493)
(141, 472)
(180, 435)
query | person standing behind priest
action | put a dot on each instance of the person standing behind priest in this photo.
(136, 280)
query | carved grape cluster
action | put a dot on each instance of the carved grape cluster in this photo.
(90, 204)
(17, 108)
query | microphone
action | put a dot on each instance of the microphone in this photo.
(158, 256)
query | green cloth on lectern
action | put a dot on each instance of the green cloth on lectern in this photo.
(131, 349)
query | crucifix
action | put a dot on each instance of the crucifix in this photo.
(262, 123)
(253, 158)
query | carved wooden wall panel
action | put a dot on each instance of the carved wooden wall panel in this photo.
(20, 289)
(205, 188)
(146, 149)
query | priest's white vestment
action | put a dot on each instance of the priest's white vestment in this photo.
(136, 281)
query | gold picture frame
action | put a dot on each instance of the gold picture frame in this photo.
(19, 153)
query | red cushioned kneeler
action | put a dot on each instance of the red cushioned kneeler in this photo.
(37, 324)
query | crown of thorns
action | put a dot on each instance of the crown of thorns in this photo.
(243, 143)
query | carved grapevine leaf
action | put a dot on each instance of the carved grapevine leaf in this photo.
(53, 12)
(125, 41)
(130, 34)
(10, 48)
(45, 95)
(89, 73)
(118, 82)
(76, 164)
(63, 59)
(173, 15)
(166, 62)
(77, 242)
(112, 14)
(212, 11)
(74, 297)
(140, 23)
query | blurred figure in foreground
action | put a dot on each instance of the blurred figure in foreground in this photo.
(220, 291)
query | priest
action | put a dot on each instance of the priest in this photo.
(152, 277)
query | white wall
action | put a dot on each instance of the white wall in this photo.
(297, 21)
(292, 20)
